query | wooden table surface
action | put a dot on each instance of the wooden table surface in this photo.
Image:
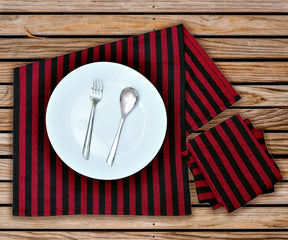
(248, 41)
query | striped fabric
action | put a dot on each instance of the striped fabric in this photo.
(231, 164)
(170, 58)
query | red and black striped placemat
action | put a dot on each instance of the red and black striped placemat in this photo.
(194, 91)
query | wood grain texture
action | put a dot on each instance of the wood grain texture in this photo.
(202, 218)
(137, 24)
(212, 6)
(219, 48)
(265, 95)
(6, 119)
(172, 235)
(236, 72)
(6, 170)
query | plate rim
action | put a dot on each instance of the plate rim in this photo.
(147, 81)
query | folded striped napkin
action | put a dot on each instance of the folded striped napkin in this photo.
(231, 164)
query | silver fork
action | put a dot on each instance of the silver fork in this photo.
(95, 97)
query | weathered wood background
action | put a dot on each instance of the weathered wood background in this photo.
(248, 41)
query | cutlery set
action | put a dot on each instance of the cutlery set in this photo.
(128, 100)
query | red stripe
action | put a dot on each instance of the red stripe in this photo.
(217, 172)
(95, 196)
(239, 160)
(205, 196)
(84, 56)
(34, 140)
(119, 51)
(83, 194)
(165, 84)
(191, 121)
(177, 120)
(108, 52)
(144, 191)
(130, 52)
(46, 144)
(108, 198)
(228, 166)
(71, 191)
(120, 197)
(132, 193)
(22, 145)
(201, 183)
(59, 182)
(72, 57)
(95, 54)
(155, 173)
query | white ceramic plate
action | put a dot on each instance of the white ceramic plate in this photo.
(68, 112)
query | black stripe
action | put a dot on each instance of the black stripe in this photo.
(223, 170)
(28, 140)
(203, 89)
(207, 76)
(101, 197)
(65, 169)
(244, 157)
(102, 53)
(186, 186)
(199, 103)
(212, 175)
(254, 149)
(52, 152)
(16, 143)
(113, 52)
(41, 125)
(171, 123)
(77, 198)
(90, 55)
(137, 176)
(124, 52)
(114, 197)
(199, 177)
(188, 128)
(203, 190)
(149, 170)
(89, 195)
(161, 171)
(126, 196)
(233, 163)
(211, 201)
(78, 59)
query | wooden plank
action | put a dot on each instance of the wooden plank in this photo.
(267, 119)
(220, 48)
(6, 119)
(240, 72)
(6, 169)
(236, 72)
(265, 95)
(202, 218)
(280, 195)
(194, 235)
(173, 6)
(137, 24)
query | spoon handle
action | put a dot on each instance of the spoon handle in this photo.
(111, 156)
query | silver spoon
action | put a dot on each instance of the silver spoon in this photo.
(128, 100)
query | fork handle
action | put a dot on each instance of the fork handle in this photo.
(87, 143)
